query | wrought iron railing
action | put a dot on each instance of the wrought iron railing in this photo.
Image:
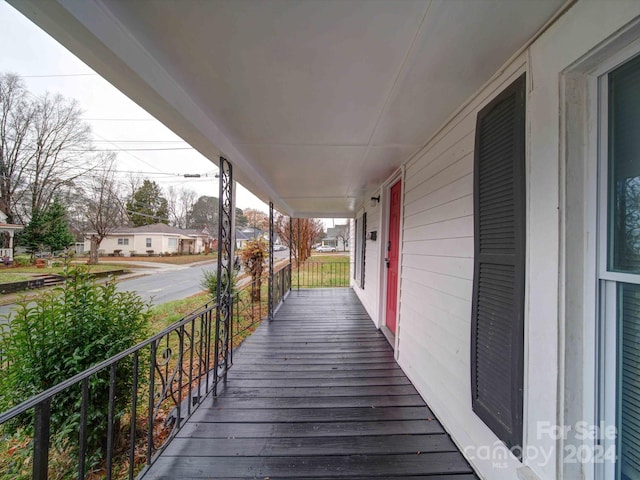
(173, 371)
(321, 275)
(281, 284)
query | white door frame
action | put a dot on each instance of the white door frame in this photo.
(384, 222)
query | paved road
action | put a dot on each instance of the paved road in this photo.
(161, 283)
(158, 283)
(167, 283)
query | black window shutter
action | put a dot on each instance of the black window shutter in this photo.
(497, 337)
(355, 249)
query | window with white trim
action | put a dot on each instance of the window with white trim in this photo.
(619, 267)
(148, 243)
(123, 241)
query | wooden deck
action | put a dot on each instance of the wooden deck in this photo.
(317, 394)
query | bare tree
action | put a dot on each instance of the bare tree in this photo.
(187, 200)
(305, 232)
(342, 233)
(16, 116)
(105, 210)
(171, 194)
(180, 202)
(61, 145)
(258, 220)
(44, 146)
(133, 184)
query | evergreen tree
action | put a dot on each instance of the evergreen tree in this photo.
(204, 214)
(58, 234)
(34, 232)
(147, 205)
(241, 220)
(48, 229)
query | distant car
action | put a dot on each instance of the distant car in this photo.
(279, 248)
(325, 248)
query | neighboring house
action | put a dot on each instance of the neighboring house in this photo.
(9, 229)
(337, 237)
(248, 233)
(255, 233)
(493, 148)
(241, 239)
(201, 241)
(154, 239)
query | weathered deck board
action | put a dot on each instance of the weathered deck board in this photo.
(314, 394)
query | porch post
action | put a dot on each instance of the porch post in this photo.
(224, 295)
(270, 260)
(290, 253)
(11, 245)
(298, 250)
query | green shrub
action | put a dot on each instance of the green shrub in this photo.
(209, 282)
(22, 260)
(61, 334)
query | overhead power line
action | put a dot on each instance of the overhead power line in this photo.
(139, 141)
(155, 217)
(120, 149)
(128, 153)
(62, 75)
(120, 119)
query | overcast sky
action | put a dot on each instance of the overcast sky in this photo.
(143, 144)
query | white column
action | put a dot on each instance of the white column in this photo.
(11, 245)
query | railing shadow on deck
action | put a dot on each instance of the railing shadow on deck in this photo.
(173, 371)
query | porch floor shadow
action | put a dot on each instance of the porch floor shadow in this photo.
(315, 393)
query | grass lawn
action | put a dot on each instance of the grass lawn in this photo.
(329, 258)
(20, 274)
(322, 270)
(164, 315)
(11, 277)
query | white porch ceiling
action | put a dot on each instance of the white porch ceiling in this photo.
(315, 102)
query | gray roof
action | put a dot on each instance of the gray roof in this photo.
(161, 228)
(240, 235)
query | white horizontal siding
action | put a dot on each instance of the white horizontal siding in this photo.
(460, 207)
(453, 228)
(445, 194)
(437, 272)
(438, 247)
(434, 327)
(453, 272)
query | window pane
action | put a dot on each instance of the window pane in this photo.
(624, 168)
(628, 381)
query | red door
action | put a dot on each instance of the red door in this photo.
(393, 250)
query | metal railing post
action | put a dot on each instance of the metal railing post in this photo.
(41, 427)
(298, 250)
(270, 286)
(290, 251)
(226, 212)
